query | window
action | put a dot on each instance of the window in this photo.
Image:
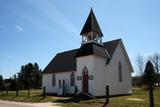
(120, 71)
(72, 79)
(53, 80)
(60, 85)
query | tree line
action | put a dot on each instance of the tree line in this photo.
(141, 64)
(29, 76)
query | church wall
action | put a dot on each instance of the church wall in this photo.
(85, 61)
(47, 82)
(99, 77)
(105, 74)
(112, 76)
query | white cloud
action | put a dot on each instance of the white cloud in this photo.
(19, 28)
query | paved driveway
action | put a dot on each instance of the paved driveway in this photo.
(20, 104)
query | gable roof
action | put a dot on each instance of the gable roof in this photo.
(91, 25)
(111, 46)
(66, 61)
(62, 62)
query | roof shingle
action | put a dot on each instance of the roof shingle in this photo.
(91, 25)
(66, 61)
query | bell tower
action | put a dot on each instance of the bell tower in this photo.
(91, 57)
(91, 31)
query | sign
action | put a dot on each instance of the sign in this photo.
(79, 77)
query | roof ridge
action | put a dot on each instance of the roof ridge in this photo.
(94, 43)
(68, 51)
(113, 40)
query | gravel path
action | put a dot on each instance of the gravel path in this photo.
(22, 104)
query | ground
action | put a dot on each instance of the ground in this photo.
(22, 104)
(139, 98)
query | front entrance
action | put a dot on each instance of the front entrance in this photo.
(85, 80)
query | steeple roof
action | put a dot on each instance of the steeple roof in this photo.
(91, 25)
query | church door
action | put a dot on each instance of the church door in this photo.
(85, 80)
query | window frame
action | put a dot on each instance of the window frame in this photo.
(120, 71)
(53, 80)
(72, 79)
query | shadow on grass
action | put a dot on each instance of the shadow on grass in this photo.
(37, 98)
(7, 96)
(71, 100)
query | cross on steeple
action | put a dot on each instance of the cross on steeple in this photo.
(91, 31)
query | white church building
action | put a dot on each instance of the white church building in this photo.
(91, 67)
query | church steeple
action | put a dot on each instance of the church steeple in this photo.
(91, 31)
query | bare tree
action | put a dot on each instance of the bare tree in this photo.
(140, 62)
(155, 58)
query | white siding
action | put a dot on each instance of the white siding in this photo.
(112, 76)
(103, 74)
(87, 61)
(47, 82)
(99, 77)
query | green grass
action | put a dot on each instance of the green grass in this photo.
(35, 96)
(121, 101)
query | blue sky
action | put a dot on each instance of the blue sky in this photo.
(35, 30)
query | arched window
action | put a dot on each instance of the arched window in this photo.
(120, 71)
(53, 80)
(72, 79)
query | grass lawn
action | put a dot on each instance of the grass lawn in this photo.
(139, 98)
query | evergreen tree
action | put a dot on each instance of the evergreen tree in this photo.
(30, 76)
(149, 79)
(37, 76)
(2, 85)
